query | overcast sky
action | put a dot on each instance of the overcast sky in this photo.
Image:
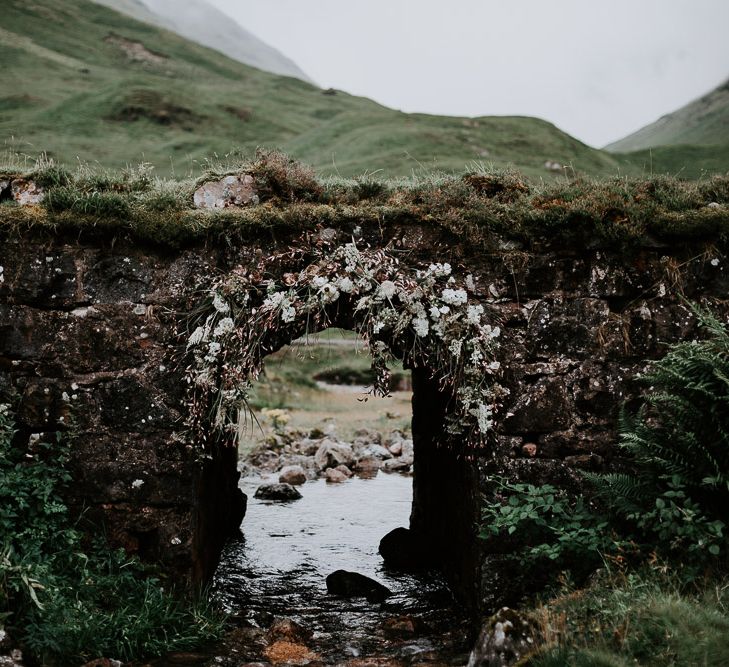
(598, 70)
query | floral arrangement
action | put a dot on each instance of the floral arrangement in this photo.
(427, 318)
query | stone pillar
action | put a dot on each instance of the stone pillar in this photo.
(445, 493)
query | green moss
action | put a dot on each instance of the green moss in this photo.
(480, 207)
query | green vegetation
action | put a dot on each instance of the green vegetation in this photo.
(649, 618)
(83, 82)
(481, 206)
(68, 601)
(668, 515)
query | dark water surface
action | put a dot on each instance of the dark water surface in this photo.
(278, 568)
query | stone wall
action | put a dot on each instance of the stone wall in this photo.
(88, 342)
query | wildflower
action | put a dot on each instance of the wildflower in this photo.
(137, 483)
(378, 326)
(455, 348)
(329, 293)
(494, 366)
(345, 285)
(225, 326)
(364, 302)
(220, 304)
(386, 290)
(483, 417)
(474, 314)
(288, 314)
(440, 270)
(470, 283)
(421, 326)
(454, 297)
(320, 281)
(274, 300)
(435, 312)
(492, 332)
(213, 350)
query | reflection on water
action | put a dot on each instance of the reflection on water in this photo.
(280, 565)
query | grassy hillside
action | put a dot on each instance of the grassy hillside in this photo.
(702, 122)
(203, 23)
(84, 82)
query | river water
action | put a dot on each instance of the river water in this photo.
(277, 569)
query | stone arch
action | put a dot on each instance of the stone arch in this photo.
(425, 316)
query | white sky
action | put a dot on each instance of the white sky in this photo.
(597, 69)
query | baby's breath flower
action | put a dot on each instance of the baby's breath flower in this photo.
(421, 326)
(454, 297)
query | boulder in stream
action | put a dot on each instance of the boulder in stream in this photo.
(335, 476)
(277, 491)
(293, 474)
(355, 585)
(402, 550)
(332, 453)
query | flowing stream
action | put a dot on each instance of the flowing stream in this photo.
(277, 569)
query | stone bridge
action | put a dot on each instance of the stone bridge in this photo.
(90, 343)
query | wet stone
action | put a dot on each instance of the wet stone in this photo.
(352, 585)
(277, 491)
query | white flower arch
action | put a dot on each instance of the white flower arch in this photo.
(428, 318)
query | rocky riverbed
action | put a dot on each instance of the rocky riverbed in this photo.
(276, 578)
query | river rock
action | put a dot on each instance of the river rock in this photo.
(286, 629)
(506, 638)
(344, 470)
(233, 190)
(308, 446)
(367, 436)
(395, 448)
(293, 474)
(332, 453)
(355, 585)
(274, 491)
(396, 465)
(399, 627)
(368, 465)
(290, 653)
(335, 476)
(375, 451)
(401, 549)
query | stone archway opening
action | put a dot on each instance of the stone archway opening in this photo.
(421, 316)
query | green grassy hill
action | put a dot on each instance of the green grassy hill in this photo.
(702, 122)
(86, 83)
(690, 142)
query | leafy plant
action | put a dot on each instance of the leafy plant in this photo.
(69, 602)
(551, 524)
(679, 444)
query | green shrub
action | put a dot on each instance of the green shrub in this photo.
(68, 602)
(551, 524)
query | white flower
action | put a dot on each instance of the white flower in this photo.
(288, 314)
(225, 326)
(320, 281)
(220, 304)
(421, 326)
(345, 285)
(474, 314)
(329, 293)
(476, 357)
(274, 300)
(494, 366)
(492, 332)
(137, 483)
(455, 348)
(483, 417)
(213, 350)
(470, 283)
(364, 302)
(378, 326)
(438, 329)
(455, 297)
(714, 262)
(386, 290)
(440, 270)
(434, 312)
